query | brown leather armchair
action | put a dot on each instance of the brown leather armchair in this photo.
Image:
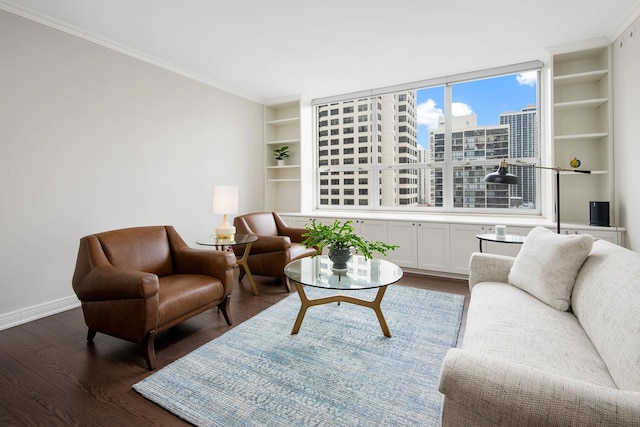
(277, 244)
(136, 282)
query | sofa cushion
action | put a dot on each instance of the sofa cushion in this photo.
(548, 263)
(510, 324)
(605, 300)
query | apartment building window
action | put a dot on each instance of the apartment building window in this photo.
(435, 143)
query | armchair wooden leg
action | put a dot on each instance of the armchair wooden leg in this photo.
(284, 280)
(91, 333)
(149, 350)
(224, 308)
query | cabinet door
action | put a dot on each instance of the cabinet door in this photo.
(463, 244)
(611, 236)
(372, 230)
(403, 234)
(433, 246)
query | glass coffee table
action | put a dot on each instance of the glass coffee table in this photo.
(317, 272)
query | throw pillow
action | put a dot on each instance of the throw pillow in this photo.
(548, 263)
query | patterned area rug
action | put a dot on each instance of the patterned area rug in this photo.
(338, 371)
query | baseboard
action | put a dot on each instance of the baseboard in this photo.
(28, 314)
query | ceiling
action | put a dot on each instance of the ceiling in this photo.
(269, 49)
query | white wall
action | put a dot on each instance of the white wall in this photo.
(626, 111)
(92, 140)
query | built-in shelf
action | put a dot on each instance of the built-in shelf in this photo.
(579, 173)
(284, 122)
(282, 183)
(582, 136)
(583, 103)
(582, 128)
(284, 142)
(577, 78)
(283, 167)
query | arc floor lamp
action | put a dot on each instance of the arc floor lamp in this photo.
(502, 176)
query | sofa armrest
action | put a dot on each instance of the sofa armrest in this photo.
(107, 282)
(502, 393)
(489, 268)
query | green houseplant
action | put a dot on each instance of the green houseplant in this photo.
(340, 238)
(281, 153)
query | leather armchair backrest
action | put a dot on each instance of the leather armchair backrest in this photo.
(260, 223)
(142, 248)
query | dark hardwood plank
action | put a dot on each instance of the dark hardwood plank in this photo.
(50, 375)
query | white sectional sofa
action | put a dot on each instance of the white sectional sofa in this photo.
(526, 360)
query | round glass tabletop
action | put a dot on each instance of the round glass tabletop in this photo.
(360, 273)
(238, 239)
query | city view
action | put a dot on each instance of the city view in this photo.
(405, 148)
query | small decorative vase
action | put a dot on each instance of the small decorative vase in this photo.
(340, 257)
(280, 162)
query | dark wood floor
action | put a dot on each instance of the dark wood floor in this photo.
(50, 376)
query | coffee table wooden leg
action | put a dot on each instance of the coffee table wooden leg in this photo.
(376, 307)
(303, 308)
(306, 303)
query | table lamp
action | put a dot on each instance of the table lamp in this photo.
(225, 201)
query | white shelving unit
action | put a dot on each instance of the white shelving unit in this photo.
(282, 183)
(582, 128)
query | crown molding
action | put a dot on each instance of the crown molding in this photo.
(125, 50)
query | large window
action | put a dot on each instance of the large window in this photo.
(429, 147)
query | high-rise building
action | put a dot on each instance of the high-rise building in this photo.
(470, 142)
(523, 137)
(346, 141)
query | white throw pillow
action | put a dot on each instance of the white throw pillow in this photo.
(548, 264)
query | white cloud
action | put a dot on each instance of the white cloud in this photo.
(529, 78)
(460, 109)
(429, 114)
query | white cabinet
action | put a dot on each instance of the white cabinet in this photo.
(374, 230)
(581, 128)
(433, 246)
(441, 247)
(403, 234)
(611, 236)
(282, 182)
(463, 243)
(423, 245)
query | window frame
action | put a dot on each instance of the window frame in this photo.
(375, 169)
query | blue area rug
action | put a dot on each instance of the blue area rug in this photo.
(338, 371)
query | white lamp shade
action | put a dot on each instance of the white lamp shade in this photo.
(225, 199)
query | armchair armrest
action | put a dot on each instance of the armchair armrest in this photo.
(489, 268)
(294, 233)
(504, 393)
(218, 264)
(106, 282)
(199, 261)
(270, 244)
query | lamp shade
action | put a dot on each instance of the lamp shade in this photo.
(502, 175)
(225, 199)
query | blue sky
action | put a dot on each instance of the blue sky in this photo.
(487, 99)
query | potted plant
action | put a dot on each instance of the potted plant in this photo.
(281, 153)
(340, 239)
